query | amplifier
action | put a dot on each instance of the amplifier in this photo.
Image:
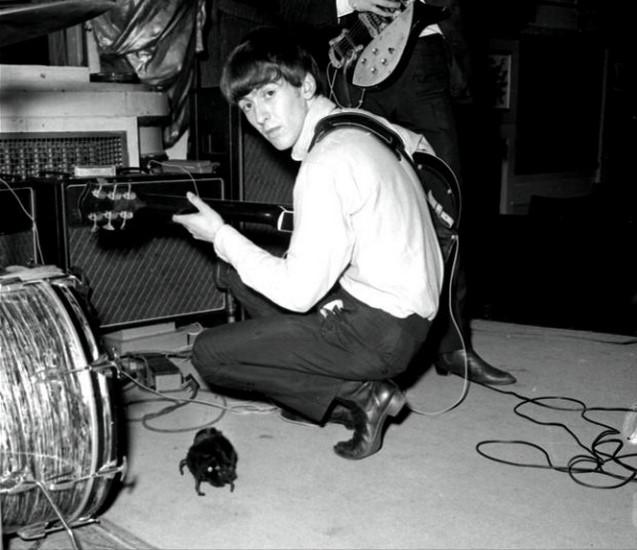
(18, 239)
(140, 267)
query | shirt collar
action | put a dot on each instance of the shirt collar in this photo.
(319, 108)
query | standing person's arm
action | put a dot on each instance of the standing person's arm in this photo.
(380, 7)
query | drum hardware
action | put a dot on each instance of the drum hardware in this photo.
(25, 483)
(41, 530)
(105, 366)
(59, 450)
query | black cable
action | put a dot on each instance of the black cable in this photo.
(162, 396)
(594, 460)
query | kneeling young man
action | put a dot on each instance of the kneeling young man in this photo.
(360, 282)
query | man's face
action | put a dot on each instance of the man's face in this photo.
(277, 110)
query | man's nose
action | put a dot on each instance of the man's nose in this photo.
(261, 113)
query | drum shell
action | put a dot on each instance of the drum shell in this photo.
(58, 424)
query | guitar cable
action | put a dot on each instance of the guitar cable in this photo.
(39, 256)
(187, 172)
(594, 459)
(465, 379)
(331, 81)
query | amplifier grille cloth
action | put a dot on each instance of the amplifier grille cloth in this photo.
(17, 249)
(166, 277)
(268, 174)
(143, 277)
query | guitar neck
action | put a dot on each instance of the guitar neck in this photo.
(274, 215)
(111, 208)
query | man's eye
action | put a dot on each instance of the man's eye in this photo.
(245, 107)
(270, 92)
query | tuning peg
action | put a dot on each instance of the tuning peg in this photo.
(109, 224)
(125, 215)
(95, 217)
(114, 195)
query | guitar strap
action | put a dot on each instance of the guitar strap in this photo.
(438, 180)
(439, 183)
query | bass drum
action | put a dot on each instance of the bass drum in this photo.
(59, 455)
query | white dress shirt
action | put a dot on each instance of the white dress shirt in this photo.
(360, 218)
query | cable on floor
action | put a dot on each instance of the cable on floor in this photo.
(605, 450)
(179, 402)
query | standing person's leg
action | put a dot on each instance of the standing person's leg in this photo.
(420, 99)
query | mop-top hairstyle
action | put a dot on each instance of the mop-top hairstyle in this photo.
(266, 55)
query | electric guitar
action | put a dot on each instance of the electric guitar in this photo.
(114, 206)
(378, 43)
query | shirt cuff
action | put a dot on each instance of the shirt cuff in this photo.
(234, 247)
(223, 240)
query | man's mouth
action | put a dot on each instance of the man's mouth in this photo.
(271, 132)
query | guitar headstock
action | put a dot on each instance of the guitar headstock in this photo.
(109, 206)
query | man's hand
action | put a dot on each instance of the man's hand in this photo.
(204, 224)
(381, 7)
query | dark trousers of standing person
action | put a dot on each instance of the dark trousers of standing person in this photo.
(302, 361)
(418, 97)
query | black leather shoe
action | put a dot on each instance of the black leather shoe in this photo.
(476, 369)
(371, 403)
(338, 415)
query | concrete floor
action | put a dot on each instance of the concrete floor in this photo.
(428, 487)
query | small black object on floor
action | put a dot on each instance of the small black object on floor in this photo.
(211, 458)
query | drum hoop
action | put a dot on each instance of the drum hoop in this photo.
(102, 454)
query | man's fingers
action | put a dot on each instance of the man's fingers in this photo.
(194, 199)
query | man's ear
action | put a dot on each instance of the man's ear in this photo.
(309, 86)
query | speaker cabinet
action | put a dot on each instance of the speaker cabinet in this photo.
(143, 270)
(18, 239)
(268, 174)
(215, 135)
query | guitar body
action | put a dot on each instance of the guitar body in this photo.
(381, 56)
(377, 45)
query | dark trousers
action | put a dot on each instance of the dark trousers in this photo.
(419, 98)
(301, 361)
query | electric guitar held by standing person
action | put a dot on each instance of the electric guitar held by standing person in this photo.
(377, 44)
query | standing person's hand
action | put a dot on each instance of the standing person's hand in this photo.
(380, 7)
(203, 224)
